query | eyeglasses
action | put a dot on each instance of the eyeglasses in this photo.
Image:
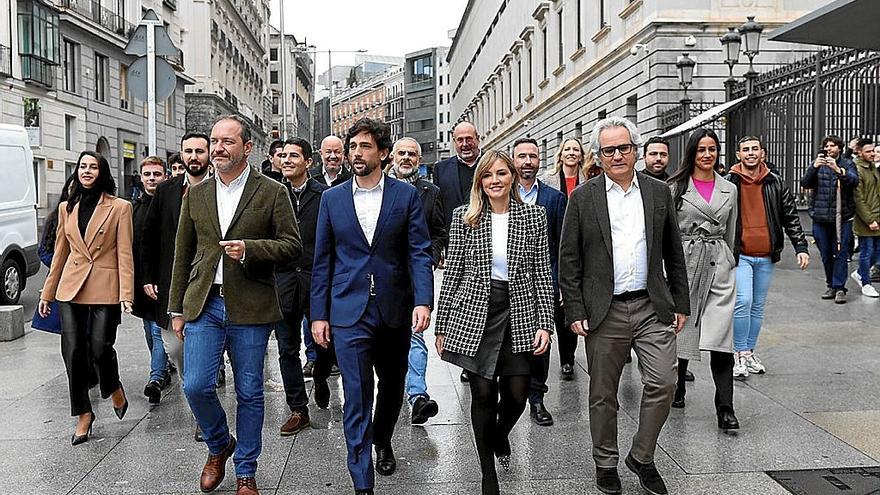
(624, 149)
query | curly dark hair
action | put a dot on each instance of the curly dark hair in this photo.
(380, 131)
(104, 184)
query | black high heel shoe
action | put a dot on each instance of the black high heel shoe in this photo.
(502, 453)
(120, 411)
(78, 439)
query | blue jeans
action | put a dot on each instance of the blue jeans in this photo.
(205, 339)
(869, 255)
(308, 341)
(158, 358)
(753, 278)
(835, 262)
(418, 365)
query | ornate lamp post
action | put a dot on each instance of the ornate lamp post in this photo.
(730, 43)
(751, 36)
(685, 66)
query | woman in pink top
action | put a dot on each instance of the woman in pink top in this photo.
(707, 216)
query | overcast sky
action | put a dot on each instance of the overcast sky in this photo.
(382, 27)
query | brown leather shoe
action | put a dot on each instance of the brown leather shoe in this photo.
(296, 423)
(246, 486)
(215, 469)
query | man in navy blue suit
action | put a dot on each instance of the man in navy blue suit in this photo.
(372, 286)
(526, 159)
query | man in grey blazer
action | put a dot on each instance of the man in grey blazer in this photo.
(624, 283)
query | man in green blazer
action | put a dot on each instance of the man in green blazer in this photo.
(234, 228)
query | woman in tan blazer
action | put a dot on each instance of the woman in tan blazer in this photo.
(92, 278)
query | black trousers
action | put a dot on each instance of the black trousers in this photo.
(288, 332)
(540, 365)
(721, 364)
(82, 348)
(567, 341)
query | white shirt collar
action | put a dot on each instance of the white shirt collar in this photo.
(609, 184)
(235, 183)
(356, 188)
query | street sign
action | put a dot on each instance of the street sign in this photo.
(137, 44)
(166, 79)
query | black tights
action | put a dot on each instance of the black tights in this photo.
(493, 419)
(721, 364)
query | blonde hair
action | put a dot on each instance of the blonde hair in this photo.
(587, 158)
(478, 199)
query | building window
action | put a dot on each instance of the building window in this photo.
(632, 109)
(578, 131)
(501, 86)
(519, 80)
(420, 125)
(275, 105)
(39, 40)
(169, 110)
(422, 69)
(559, 19)
(579, 23)
(273, 77)
(529, 65)
(441, 99)
(544, 53)
(558, 139)
(70, 66)
(69, 132)
(440, 117)
(124, 101)
(602, 114)
(273, 54)
(102, 77)
(510, 91)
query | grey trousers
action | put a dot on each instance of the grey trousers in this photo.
(630, 324)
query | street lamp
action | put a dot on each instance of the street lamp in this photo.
(751, 35)
(685, 66)
(730, 43)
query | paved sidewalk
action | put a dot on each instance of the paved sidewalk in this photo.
(818, 406)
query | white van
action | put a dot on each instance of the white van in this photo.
(18, 213)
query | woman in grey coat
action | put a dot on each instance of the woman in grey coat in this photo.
(707, 215)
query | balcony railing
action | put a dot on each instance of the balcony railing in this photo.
(38, 70)
(100, 15)
(5, 61)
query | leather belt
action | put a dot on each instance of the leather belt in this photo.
(216, 290)
(629, 296)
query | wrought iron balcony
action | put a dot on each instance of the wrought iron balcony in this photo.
(38, 70)
(100, 15)
(5, 61)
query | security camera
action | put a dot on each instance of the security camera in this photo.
(635, 48)
(690, 40)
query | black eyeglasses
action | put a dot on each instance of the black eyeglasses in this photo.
(624, 149)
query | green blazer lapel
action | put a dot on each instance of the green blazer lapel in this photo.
(99, 217)
(250, 189)
(210, 199)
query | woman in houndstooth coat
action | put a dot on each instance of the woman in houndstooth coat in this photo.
(496, 304)
(707, 216)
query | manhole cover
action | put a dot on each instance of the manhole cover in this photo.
(837, 481)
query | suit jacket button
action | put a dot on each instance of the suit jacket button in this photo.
(90, 262)
(76, 262)
(100, 231)
(98, 248)
(298, 269)
(711, 263)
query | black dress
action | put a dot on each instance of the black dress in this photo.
(495, 356)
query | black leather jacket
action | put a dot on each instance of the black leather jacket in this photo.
(781, 214)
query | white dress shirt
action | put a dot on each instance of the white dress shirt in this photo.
(227, 202)
(626, 212)
(367, 205)
(499, 246)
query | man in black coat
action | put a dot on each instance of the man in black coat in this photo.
(160, 230)
(293, 281)
(405, 157)
(624, 282)
(152, 172)
(455, 175)
(332, 171)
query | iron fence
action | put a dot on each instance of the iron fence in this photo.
(101, 15)
(678, 115)
(38, 70)
(5, 60)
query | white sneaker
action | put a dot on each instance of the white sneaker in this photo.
(753, 364)
(855, 276)
(870, 291)
(740, 370)
(274, 386)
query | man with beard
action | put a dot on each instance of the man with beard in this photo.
(766, 208)
(152, 174)
(455, 176)
(526, 159)
(657, 158)
(372, 287)
(332, 172)
(160, 230)
(293, 280)
(234, 229)
(405, 157)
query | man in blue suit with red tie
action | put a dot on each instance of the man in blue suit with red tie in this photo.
(372, 286)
